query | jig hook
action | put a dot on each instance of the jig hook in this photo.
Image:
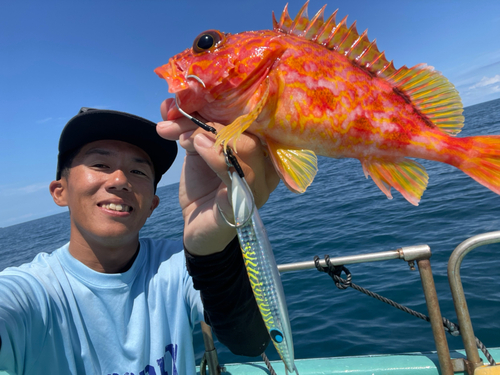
(200, 123)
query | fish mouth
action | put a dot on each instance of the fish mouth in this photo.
(190, 98)
(174, 74)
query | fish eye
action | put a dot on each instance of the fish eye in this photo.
(206, 40)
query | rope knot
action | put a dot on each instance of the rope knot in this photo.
(451, 327)
(335, 272)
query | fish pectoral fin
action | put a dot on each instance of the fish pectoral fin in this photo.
(296, 167)
(234, 130)
(405, 175)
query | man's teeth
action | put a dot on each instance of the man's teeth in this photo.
(117, 207)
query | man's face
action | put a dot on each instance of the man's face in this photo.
(109, 192)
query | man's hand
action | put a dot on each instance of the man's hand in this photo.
(204, 181)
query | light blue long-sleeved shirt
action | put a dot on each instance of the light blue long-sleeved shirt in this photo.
(57, 316)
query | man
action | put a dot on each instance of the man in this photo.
(109, 303)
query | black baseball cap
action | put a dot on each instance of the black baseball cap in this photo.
(91, 125)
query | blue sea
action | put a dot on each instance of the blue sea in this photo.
(342, 213)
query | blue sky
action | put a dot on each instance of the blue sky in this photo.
(58, 56)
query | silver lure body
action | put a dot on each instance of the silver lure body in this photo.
(262, 270)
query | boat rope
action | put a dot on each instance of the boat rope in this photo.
(268, 364)
(335, 273)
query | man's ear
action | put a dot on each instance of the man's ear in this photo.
(154, 204)
(58, 192)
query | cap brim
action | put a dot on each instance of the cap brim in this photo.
(92, 125)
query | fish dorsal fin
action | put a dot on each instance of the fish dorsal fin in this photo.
(429, 92)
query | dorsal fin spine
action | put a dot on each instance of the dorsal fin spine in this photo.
(336, 34)
(432, 94)
(325, 30)
(360, 47)
(301, 21)
(377, 63)
(315, 25)
(369, 54)
(285, 20)
(347, 42)
(276, 25)
(387, 71)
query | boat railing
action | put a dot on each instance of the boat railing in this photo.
(411, 254)
(473, 360)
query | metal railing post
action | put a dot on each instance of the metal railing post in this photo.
(457, 292)
(419, 253)
(210, 356)
(431, 298)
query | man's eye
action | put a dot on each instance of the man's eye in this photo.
(135, 171)
(98, 165)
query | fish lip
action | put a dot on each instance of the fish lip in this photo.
(174, 75)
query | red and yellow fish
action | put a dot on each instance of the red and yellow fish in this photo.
(316, 87)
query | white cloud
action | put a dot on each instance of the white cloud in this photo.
(44, 120)
(29, 189)
(52, 120)
(485, 81)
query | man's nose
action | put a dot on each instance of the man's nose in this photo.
(118, 181)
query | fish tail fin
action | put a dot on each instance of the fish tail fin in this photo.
(482, 161)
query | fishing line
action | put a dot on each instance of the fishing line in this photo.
(231, 160)
(200, 123)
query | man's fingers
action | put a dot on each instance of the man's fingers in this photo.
(173, 130)
(165, 107)
(251, 155)
(204, 145)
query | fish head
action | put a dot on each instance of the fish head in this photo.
(221, 67)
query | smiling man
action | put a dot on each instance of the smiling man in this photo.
(110, 303)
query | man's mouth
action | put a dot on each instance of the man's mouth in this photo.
(117, 207)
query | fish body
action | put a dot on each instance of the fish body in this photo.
(316, 87)
(262, 270)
